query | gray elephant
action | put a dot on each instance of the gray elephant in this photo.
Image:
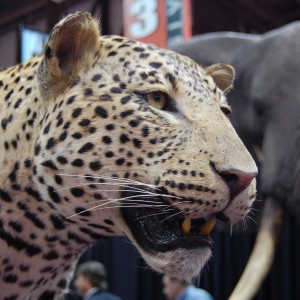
(266, 105)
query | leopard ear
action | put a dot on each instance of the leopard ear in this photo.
(71, 49)
(223, 76)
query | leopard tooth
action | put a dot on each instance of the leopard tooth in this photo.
(186, 225)
(208, 226)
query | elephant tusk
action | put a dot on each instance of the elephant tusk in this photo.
(262, 254)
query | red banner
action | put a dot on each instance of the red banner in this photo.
(160, 22)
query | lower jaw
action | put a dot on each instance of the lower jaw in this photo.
(155, 236)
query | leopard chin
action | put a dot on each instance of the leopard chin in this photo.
(180, 263)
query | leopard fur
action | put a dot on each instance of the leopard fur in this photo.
(96, 117)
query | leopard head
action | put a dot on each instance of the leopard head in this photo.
(138, 136)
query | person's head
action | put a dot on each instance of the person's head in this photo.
(173, 287)
(88, 275)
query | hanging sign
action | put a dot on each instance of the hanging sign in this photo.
(160, 22)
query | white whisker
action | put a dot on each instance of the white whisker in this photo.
(250, 218)
(123, 186)
(123, 180)
(110, 207)
(161, 213)
(170, 217)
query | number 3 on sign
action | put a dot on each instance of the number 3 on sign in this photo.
(147, 18)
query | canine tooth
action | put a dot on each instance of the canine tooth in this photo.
(208, 226)
(186, 225)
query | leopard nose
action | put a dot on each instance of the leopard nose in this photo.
(237, 180)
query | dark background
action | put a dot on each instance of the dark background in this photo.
(129, 277)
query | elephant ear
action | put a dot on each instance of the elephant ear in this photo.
(223, 75)
(72, 49)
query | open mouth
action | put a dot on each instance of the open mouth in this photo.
(158, 226)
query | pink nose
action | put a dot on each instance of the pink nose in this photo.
(237, 180)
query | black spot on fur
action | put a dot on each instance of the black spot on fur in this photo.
(86, 147)
(18, 103)
(51, 255)
(109, 222)
(82, 211)
(50, 143)
(63, 135)
(84, 122)
(137, 143)
(112, 53)
(58, 179)
(19, 244)
(124, 138)
(144, 55)
(53, 194)
(140, 160)
(77, 162)
(105, 97)
(62, 160)
(27, 91)
(171, 79)
(34, 219)
(96, 77)
(10, 278)
(110, 127)
(125, 99)
(155, 65)
(33, 193)
(70, 100)
(138, 49)
(107, 140)
(102, 112)
(145, 131)
(26, 283)
(16, 225)
(46, 130)
(49, 164)
(88, 92)
(8, 95)
(126, 113)
(143, 75)
(77, 192)
(77, 135)
(74, 236)
(76, 112)
(37, 149)
(109, 154)
(116, 90)
(24, 268)
(95, 165)
(5, 196)
(120, 161)
(134, 123)
(58, 222)
(93, 235)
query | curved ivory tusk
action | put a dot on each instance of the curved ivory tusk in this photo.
(262, 254)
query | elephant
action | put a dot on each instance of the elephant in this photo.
(266, 114)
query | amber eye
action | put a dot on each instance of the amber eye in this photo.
(157, 99)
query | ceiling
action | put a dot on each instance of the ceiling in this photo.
(13, 12)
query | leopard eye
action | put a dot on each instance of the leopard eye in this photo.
(226, 110)
(157, 99)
